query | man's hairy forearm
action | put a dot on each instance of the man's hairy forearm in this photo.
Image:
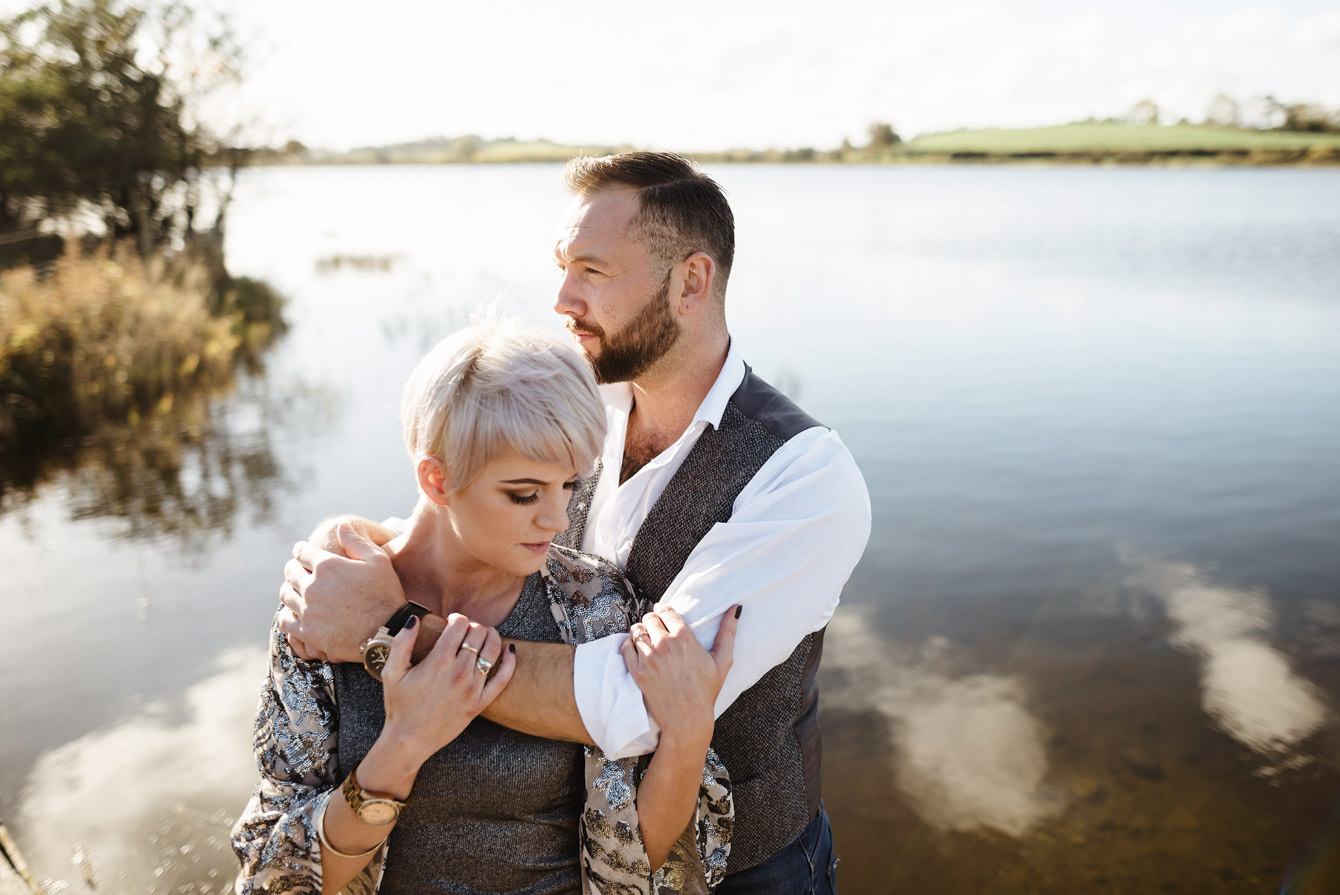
(540, 700)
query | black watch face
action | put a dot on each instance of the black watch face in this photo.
(374, 658)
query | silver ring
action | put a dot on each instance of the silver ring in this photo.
(483, 666)
(472, 649)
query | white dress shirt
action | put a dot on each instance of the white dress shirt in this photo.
(796, 532)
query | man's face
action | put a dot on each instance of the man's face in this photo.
(616, 299)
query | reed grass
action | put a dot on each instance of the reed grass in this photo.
(108, 339)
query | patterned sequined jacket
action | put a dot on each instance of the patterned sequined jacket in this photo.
(295, 741)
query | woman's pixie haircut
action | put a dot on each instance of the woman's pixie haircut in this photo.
(495, 387)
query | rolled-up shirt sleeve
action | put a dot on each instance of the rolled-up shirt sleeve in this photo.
(796, 532)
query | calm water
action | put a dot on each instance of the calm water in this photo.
(1094, 645)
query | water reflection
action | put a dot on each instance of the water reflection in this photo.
(187, 476)
(967, 752)
(1247, 685)
(146, 806)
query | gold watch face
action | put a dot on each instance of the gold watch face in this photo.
(375, 653)
(378, 811)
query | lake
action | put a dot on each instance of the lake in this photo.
(1094, 643)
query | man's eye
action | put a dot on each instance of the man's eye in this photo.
(524, 498)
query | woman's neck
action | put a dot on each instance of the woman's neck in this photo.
(437, 572)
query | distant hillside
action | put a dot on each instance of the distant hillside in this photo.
(1116, 142)
(469, 149)
(1080, 143)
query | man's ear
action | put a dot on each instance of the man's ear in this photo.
(434, 482)
(696, 274)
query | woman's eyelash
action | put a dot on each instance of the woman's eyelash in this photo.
(524, 498)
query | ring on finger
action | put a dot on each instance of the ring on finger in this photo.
(473, 649)
(483, 666)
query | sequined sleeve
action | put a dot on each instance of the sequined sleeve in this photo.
(295, 743)
(590, 598)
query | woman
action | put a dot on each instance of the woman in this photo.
(500, 421)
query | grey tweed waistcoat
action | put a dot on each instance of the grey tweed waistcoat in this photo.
(769, 737)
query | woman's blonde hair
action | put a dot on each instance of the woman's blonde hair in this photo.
(494, 387)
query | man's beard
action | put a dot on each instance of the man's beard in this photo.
(644, 340)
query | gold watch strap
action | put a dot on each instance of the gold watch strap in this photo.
(356, 795)
(321, 832)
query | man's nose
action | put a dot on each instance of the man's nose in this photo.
(568, 301)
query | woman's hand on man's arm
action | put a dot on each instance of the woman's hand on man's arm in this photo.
(680, 682)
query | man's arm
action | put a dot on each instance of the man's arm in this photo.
(340, 587)
(796, 532)
(540, 700)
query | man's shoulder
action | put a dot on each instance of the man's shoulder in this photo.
(764, 403)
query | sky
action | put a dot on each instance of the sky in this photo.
(717, 74)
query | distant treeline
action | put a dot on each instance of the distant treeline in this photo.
(1098, 142)
(1260, 131)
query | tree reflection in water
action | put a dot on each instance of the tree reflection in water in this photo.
(182, 474)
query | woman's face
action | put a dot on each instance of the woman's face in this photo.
(514, 507)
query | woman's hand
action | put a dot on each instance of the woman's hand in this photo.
(429, 704)
(679, 679)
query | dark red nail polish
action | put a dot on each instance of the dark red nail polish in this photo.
(511, 647)
(737, 611)
(414, 620)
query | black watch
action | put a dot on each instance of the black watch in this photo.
(378, 646)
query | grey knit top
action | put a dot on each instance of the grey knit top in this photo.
(493, 811)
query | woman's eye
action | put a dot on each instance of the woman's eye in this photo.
(524, 498)
(568, 486)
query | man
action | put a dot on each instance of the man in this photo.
(713, 490)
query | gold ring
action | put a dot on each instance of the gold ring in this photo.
(472, 649)
(483, 666)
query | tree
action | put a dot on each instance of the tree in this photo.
(1146, 111)
(1224, 111)
(99, 111)
(883, 136)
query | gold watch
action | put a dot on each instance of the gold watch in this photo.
(373, 808)
(377, 648)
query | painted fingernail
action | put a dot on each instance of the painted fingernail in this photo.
(414, 620)
(511, 648)
(737, 611)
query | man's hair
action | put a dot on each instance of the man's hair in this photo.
(495, 387)
(680, 210)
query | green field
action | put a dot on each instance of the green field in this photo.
(1111, 139)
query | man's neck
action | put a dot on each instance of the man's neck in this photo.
(666, 399)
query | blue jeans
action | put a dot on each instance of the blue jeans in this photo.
(805, 867)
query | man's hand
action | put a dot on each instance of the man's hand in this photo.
(334, 603)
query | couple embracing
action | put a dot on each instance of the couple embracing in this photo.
(510, 691)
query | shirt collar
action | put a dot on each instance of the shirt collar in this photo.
(619, 395)
(728, 380)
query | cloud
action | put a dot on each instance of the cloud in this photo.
(1247, 686)
(1319, 33)
(150, 801)
(968, 754)
(1251, 24)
